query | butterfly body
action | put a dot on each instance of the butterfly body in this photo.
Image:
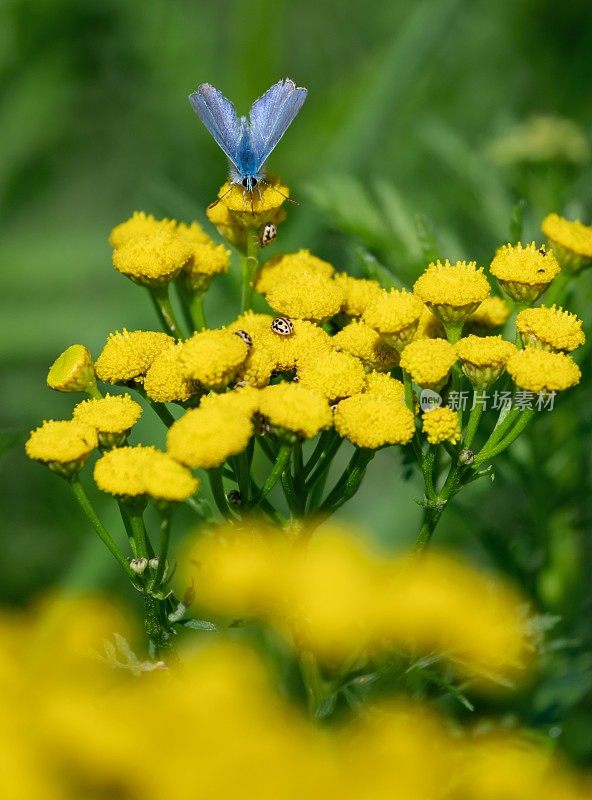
(248, 141)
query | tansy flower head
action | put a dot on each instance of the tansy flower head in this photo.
(524, 272)
(242, 400)
(359, 293)
(395, 315)
(377, 383)
(571, 242)
(429, 361)
(291, 265)
(127, 355)
(255, 209)
(372, 421)
(550, 328)
(295, 408)
(483, 358)
(213, 357)
(206, 436)
(138, 471)
(366, 344)
(493, 312)
(441, 425)
(165, 381)
(113, 417)
(140, 224)
(207, 259)
(333, 374)
(64, 445)
(429, 327)
(72, 371)
(228, 227)
(152, 260)
(540, 371)
(313, 297)
(452, 291)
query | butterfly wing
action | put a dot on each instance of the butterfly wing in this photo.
(270, 117)
(219, 116)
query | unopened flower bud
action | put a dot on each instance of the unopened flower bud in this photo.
(138, 565)
(466, 457)
(73, 371)
(153, 563)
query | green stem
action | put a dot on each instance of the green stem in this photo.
(217, 487)
(100, 529)
(249, 268)
(192, 305)
(136, 518)
(164, 309)
(94, 392)
(431, 517)
(350, 481)
(283, 459)
(165, 534)
(159, 408)
(240, 466)
(472, 424)
(196, 309)
(326, 458)
(313, 681)
(490, 452)
(322, 442)
(408, 383)
(499, 431)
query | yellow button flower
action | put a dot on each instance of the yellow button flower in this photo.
(152, 260)
(227, 225)
(206, 436)
(291, 265)
(359, 293)
(144, 471)
(113, 417)
(372, 421)
(311, 296)
(165, 381)
(255, 209)
(395, 315)
(72, 371)
(429, 327)
(492, 313)
(366, 344)
(452, 291)
(207, 259)
(140, 224)
(429, 362)
(295, 408)
(483, 358)
(382, 385)
(540, 371)
(335, 375)
(524, 272)
(64, 445)
(441, 425)
(213, 357)
(571, 242)
(127, 355)
(550, 328)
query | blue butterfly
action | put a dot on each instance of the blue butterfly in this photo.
(248, 142)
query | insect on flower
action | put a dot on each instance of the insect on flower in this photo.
(268, 235)
(282, 326)
(248, 142)
(246, 337)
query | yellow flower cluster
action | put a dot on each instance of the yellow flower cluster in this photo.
(154, 252)
(452, 291)
(483, 358)
(288, 267)
(571, 242)
(144, 471)
(295, 408)
(127, 355)
(366, 344)
(213, 358)
(64, 445)
(524, 272)
(372, 420)
(112, 417)
(310, 296)
(429, 362)
(344, 599)
(550, 328)
(358, 293)
(537, 370)
(395, 315)
(223, 709)
(493, 312)
(441, 425)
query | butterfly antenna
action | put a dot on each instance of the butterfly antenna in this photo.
(215, 203)
(285, 196)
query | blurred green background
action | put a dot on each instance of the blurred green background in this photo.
(426, 122)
